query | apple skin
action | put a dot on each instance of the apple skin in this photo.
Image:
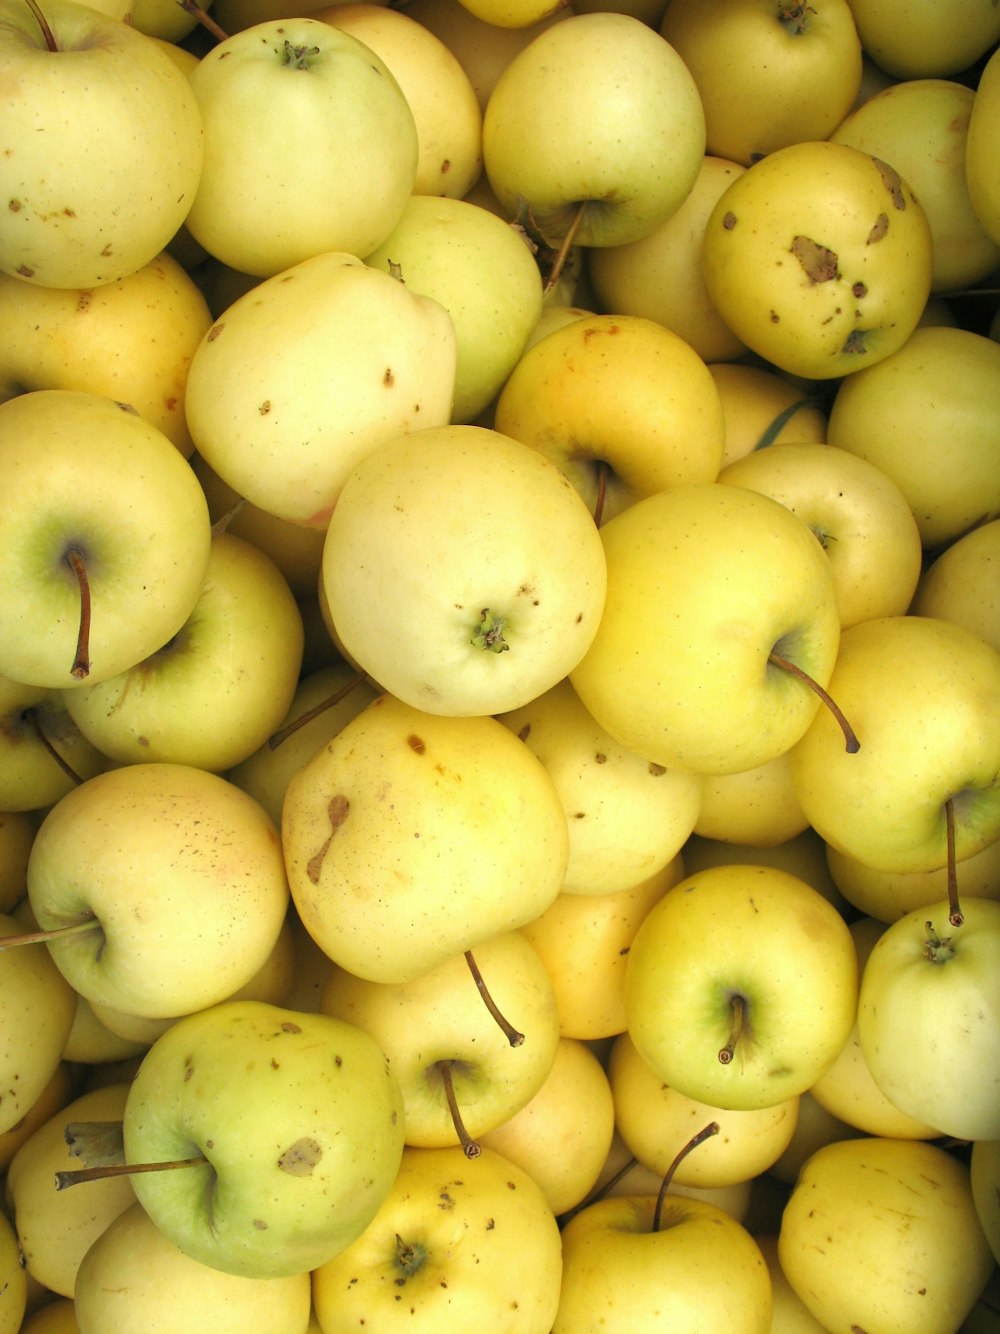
(984, 1173)
(762, 407)
(980, 150)
(300, 1119)
(888, 895)
(960, 584)
(14, 1291)
(917, 39)
(34, 723)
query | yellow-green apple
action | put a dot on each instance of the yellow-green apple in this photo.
(653, 1118)
(762, 406)
(804, 855)
(446, 111)
(460, 1065)
(768, 74)
(43, 753)
(131, 340)
(624, 131)
(627, 817)
(13, 1281)
(944, 384)
(921, 127)
(219, 687)
(659, 276)
(55, 1229)
(114, 184)
(173, 879)
(627, 1272)
(295, 1125)
(158, 20)
(494, 580)
(134, 1278)
(454, 1247)
(328, 330)
(981, 146)
(104, 538)
(650, 417)
(562, 1136)
(960, 584)
(756, 807)
(36, 1015)
(882, 1234)
(847, 1090)
(298, 80)
(741, 986)
(481, 271)
(984, 1175)
(935, 984)
(789, 1314)
(919, 40)
(17, 833)
(923, 696)
(717, 599)
(819, 257)
(60, 1090)
(410, 837)
(862, 519)
(888, 895)
(584, 941)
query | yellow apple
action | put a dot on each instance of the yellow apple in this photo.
(43, 753)
(984, 1173)
(755, 807)
(888, 895)
(60, 1090)
(789, 1314)
(804, 855)
(918, 39)
(762, 407)
(961, 583)
(814, 1128)
(981, 148)
(13, 1282)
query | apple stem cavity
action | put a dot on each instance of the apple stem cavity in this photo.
(795, 18)
(31, 717)
(852, 743)
(81, 662)
(291, 728)
(705, 1133)
(513, 1035)
(565, 246)
(298, 57)
(955, 915)
(43, 23)
(55, 933)
(469, 1146)
(739, 1010)
(937, 949)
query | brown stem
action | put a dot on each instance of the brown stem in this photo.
(56, 933)
(850, 737)
(43, 23)
(205, 19)
(81, 662)
(602, 491)
(513, 1036)
(77, 1176)
(31, 717)
(224, 520)
(469, 1146)
(601, 1192)
(739, 1010)
(285, 732)
(955, 915)
(566, 245)
(705, 1133)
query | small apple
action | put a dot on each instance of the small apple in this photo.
(960, 583)
(756, 807)
(43, 754)
(762, 407)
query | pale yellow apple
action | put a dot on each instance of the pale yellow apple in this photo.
(804, 855)
(814, 1127)
(623, 1174)
(622, 405)
(943, 384)
(763, 407)
(981, 149)
(757, 806)
(962, 583)
(60, 1089)
(789, 1314)
(889, 895)
(916, 39)
(92, 1042)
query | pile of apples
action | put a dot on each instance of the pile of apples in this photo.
(499, 667)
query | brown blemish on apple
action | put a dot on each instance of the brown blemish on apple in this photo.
(337, 809)
(214, 332)
(656, 769)
(300, 1158)
(15, 205)
(859, 290)
(854, 344)
(25, 271)
(265, 407)
(879, 230)
(416, 743)
(819, 263)
(388, 379)
(729, 221)
(893, 182)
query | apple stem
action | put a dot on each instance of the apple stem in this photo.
(740, 1011)
(290, 728)
(850, 736)
(469, 1146)
(224, 520)
(56, 933)
(599, 1194)
(205, 19)
(602, 491)
(513, 1036)
(705, 1133)
(31, 717)
(565, 246)
(43, 23)
(81, 662)
(955, 914)
(77, 1176)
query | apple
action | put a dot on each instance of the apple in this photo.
(984, 1178)
(117, 178)
(596, 129)
(494, 579)
(789, 1314)
(623, 1174)
(919, 40)
(944, 384)
(105, 550)
(649, 420)
(887, 895)
(936, 984)
(819, 257)
(804, 855)
(221, 685)
(741, 986)
(130, 340)
(923, 697)
(768, 75)
(298, 81)
(762, 407)
(57, 1316)
(13, 1283)
(91, 1042)
(60, 1090)
(328, 330)
(44, 754)
(757, 807)
(713, 591)
(882, 1234)
(980, 149)
(454, 1247)
(960, 584)
(172, 881)
(410, 837)
(815, 1127)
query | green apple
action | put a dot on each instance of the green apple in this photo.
(882, 1234)
(442, 1042)
(929, 1002)
(217, 690)
(43, 753)
(454, 1247)
(649, 420)
(117, 178)
(104, 539)
(595, 128)
(916, 39)
(175, 882)
(481, 271)
(328, 330)
(768, 74)
(887, 895)
(410, 837)
(741, 986)
(923, 695)
(960, 583)
(627, 818)
(980, 149)
(819, 257)
(131, 340)
(763, 406)
(301, 81)
(13, 1282)
(863, 521)
(493, 582)
(707, 584)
